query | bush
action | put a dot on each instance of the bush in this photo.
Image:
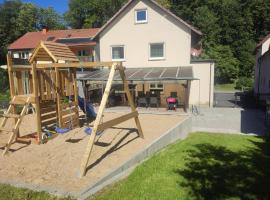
(244, 83)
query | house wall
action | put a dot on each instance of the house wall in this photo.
(177, 86)
(136, 38)
(202, 90)
(260, 51)
(263, 77)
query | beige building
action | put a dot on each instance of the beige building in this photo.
(145, 35)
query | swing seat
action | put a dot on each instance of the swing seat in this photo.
(88, 131)
(62, 130)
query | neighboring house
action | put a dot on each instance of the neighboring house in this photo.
(79, 40)
(262, 70)
(156, 48)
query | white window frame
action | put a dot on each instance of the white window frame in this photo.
(156, 86)
(141, 21)
(156, 58)
(120, 59)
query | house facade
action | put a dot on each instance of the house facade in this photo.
(144, 35)
(262, 70)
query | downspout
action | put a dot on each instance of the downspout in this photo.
(259, 79)
(210, 85)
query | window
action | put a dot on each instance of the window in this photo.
(140, 16)
(156, 51)
(24, 55)
(156, 86)
(118, 53)
(82, 53)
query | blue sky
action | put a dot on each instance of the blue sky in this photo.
(59, 5)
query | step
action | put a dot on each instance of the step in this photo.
(6, 129)
(11, 116)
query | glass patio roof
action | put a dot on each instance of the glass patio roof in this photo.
(141, 74)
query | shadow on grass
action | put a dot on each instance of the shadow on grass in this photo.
(215, 172)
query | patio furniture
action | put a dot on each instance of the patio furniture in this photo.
(171, 103)
(142, 102)
(154, 101)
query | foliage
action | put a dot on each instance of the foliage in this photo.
(203, 166)
(9, 192)
(18, 18)
(94, 13)
(244, 83)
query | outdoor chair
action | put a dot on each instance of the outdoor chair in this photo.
(142, 102)
(154, 101)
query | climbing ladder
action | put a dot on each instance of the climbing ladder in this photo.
(10, 113)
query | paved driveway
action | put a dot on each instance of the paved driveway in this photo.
(230, 120)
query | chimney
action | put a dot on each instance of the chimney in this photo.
(44, 31)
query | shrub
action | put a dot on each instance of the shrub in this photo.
(244, 83)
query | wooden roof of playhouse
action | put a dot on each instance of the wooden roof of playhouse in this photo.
(52, 51)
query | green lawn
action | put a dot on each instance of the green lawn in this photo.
(225, 87)
(204, 166)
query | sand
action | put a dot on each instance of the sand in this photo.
(56, 163)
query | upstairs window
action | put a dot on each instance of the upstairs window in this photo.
(141, 16)
(82, 53)
(156, 51)
(118, 53)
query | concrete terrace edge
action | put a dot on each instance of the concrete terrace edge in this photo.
(179, 131)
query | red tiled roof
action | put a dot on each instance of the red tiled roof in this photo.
(31, 39)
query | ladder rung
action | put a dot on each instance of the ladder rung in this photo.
(6, 129)
(11, 115)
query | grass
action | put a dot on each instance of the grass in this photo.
(204, 166)
(4, 96)
(225, 87)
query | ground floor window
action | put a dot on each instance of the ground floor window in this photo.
(156, 86)
(118, 53)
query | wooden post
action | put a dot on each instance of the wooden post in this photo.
(97, 122)
(11, 87)
(58, 97)
(130, 101)
(74, 80)
(36, 96)
(187, 93)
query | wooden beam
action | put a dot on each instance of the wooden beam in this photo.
(117, 120)
(58, 97)
(79, 65)
(75, 89)
(90, 144)
(130, 101)
(36, 96)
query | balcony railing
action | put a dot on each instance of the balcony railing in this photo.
(20, 61)
(86, 58)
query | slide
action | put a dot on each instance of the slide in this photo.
(90, 111)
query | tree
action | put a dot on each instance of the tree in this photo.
(8, 22)
(50, 19)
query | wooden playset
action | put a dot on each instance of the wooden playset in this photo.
(53, 94)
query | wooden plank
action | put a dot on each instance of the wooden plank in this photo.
(48, 87)
(116, 121)
(20, 83)
(41, 84)
(90, 144)
(48, 116)
(48, 109)
(69, 111)
(35, 91)
(49, 122)
(130, 101)
(74, 81)
(58, 98)
(79, 65)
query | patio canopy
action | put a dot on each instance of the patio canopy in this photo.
(141, 74)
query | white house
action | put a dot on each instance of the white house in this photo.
(143, 34)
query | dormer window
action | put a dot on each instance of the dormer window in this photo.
(141, 16)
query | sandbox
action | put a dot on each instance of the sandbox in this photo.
(54, 166)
